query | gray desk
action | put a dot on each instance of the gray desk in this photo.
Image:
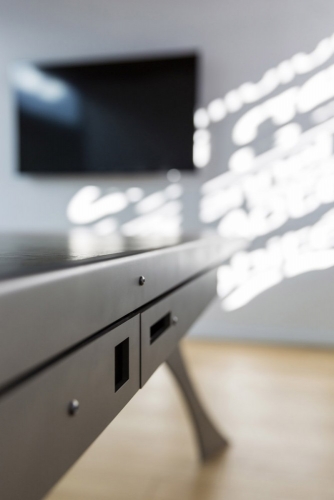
(84, 324)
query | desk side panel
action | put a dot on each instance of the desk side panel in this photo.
(39, 438)
(181, 309)
(41, 316)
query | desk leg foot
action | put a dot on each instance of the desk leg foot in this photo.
(210, 441)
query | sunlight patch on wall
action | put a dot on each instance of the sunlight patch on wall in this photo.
(201, 148)
(296, 252)
(293, 178)
(160, 213)
(88, 206)
(285, 72)
(165, 221)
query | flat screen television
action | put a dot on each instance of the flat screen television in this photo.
(104, 117)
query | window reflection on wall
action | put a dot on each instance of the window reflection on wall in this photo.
(157, 214)
(280, 175)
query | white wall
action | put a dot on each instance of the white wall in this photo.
(239, 41)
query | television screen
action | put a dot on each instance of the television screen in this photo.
(106, 117)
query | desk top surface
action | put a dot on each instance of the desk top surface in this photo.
(27, 254)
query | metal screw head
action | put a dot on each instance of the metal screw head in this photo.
(73, 407)
(142, 280)
(175, 319)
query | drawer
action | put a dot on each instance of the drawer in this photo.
(42, 434)
(163, 324)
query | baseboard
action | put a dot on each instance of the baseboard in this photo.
(216, 330)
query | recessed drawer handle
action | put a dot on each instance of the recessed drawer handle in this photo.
(160, 327)
(121, 364)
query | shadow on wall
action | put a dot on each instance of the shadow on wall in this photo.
(278, 191)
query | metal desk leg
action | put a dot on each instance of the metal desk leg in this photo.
(210, 441)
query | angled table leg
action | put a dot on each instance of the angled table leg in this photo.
(210, 441)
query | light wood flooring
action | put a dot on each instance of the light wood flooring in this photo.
(275, 404)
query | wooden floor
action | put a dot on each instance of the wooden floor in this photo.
(275, 404)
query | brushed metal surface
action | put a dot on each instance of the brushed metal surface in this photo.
(40, 439)
(210, 441)
(186, 304)
(42, 315)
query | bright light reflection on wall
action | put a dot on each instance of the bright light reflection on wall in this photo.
(260, 193)
(296, 252)
(165, 221)
(160, 212)
(285, 72)
(134, 194)
(87, 206)
(201, 148)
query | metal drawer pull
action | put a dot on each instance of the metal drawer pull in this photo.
(160, 327)
(121, 364)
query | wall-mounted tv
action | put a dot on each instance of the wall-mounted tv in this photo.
(104, 117)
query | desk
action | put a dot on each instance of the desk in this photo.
(84, 324)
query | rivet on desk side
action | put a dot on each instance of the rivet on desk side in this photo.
(73, 407)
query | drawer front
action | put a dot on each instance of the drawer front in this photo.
(42, 434)
(163, 324)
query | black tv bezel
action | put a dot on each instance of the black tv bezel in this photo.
(117, 59)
